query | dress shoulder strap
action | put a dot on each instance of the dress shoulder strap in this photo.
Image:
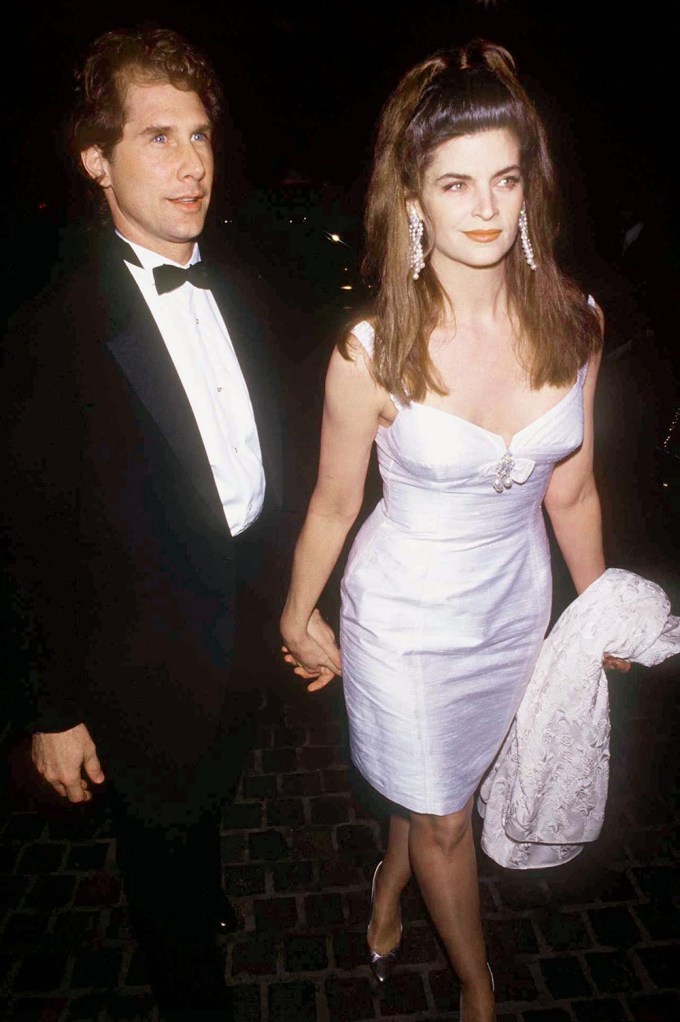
(365, 334)
(583, 371)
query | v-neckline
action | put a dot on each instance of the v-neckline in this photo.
(490, 432)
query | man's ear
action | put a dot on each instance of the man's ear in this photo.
(96, 166)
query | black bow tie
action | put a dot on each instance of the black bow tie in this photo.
(168, 277)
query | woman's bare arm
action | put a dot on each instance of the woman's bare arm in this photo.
(573, 504)
(353, 406)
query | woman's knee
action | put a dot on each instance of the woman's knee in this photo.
(443, 832)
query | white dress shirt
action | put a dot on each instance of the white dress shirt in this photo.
(199, 345)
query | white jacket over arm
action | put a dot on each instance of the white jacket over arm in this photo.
(545, 795)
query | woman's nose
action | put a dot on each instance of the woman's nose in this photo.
(485, 205)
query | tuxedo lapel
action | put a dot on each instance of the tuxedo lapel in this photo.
(137, 346)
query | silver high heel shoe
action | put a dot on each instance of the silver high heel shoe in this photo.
(381, 965)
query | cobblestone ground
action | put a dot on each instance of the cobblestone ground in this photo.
(594, 940)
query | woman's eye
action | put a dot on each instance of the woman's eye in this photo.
(455, 186)
(508, 182)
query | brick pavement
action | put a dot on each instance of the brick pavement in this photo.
(592, 941)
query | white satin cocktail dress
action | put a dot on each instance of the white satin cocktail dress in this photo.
(446, 597)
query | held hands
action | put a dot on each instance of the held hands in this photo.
(62, 757)
(314, 654)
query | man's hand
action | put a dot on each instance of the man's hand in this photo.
(62, 757)
(315, 655)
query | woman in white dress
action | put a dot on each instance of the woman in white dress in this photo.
(475, 378)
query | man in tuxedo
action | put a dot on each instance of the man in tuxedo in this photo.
(142, 456)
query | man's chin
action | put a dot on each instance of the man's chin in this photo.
(182, 234)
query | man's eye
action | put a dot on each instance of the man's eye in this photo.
(200, 136)
(160, 138)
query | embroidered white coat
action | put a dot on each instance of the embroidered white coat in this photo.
(545, 794)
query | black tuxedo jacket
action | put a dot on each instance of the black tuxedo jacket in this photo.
(120, 555)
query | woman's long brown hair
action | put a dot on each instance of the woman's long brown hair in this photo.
(448, 95)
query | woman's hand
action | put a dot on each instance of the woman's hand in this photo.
(614, 663)
(314, 654)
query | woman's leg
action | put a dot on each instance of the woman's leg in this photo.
(384, 929)
(442, 855)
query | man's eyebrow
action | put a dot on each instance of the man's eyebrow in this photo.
(156, 129)
(468, 177)
(166, 129)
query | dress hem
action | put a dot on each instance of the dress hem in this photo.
(411, 809)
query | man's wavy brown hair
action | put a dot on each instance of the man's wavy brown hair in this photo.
(456, 93)
(117, 59)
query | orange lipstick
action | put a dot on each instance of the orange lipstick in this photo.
(482, 236)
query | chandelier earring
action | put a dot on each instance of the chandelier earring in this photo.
(525, 239)
(415, 233)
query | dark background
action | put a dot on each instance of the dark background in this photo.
(305, 84)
